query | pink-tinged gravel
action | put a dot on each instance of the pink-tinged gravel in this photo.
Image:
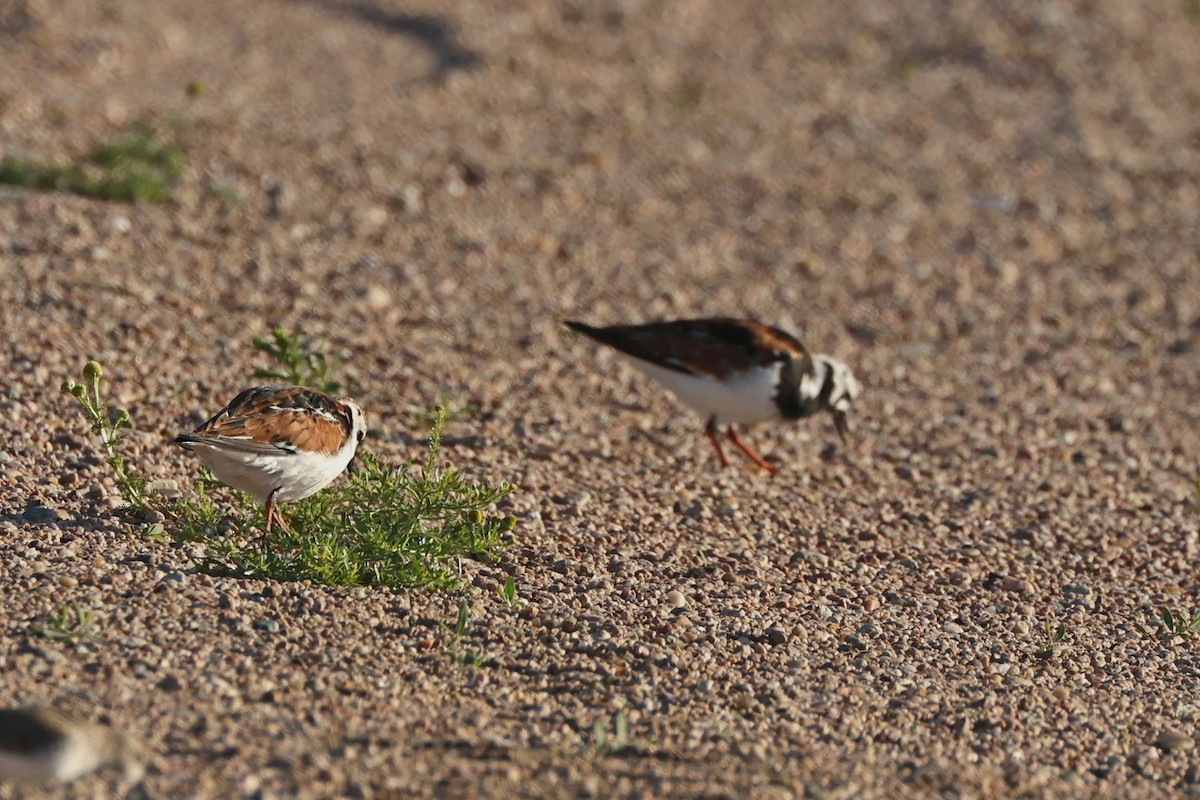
(989, 209)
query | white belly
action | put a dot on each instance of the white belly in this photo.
(745, 398)
(65, 761)
(295, 475)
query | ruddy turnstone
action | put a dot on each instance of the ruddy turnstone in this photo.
(44, 745)
(279, 444)
(735, 371)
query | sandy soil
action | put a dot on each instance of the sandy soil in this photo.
(990, 209)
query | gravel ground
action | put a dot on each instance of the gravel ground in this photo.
(990, 209)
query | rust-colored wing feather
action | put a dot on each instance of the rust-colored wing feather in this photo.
(272, 419)
(715, 346)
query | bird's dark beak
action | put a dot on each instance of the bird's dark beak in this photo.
(842, 425)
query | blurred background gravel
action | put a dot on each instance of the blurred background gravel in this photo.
(991, 210)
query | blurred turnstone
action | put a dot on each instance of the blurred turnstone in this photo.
(43, 745)
(735, 371)
(279, 444)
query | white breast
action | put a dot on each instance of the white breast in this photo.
(65, 761)
(295, 475)
(742, 398)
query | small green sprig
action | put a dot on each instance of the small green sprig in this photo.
(1052, 636)
(508, 593)
(137, 166)
(470, 657)
(298, 365)
(108, 427)
(1174, 626)
(421, 416)
(69, 622)
(613, 742)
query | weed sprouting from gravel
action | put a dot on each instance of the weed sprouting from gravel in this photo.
(1052, 636)
(297, 364)
(69, 622)
(391, 525)
(611, 743)
(108, 427)
(507, 592)
(422, 417)
(135, 166)
(470, 657)
(1173, 626)
(190, 515)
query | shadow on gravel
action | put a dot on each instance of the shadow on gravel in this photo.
(36, 513)
(433, 32)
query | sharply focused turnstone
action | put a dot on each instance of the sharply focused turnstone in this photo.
(43, 745)
(735, 371)
(279, 444)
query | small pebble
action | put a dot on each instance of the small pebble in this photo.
(170, 683)
(1171, 740)
(1014, 584)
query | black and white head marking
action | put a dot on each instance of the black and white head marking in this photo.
(828, 386)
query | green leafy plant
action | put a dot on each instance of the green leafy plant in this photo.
(388, 525)
(611, 742)
(108, 426)
(201, 518)
(137, 165)
(298, 365)
(69, 622)
(423, 417)
(1173, 626)
(508, 593)
(1052, 636)
(156, 531)
(472, 657)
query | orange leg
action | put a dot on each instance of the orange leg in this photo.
(273, 514)
(749, 451)
(711, 430)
